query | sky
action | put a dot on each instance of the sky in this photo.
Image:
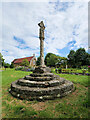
(66, 28)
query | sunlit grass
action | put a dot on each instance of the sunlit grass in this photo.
(75, 105)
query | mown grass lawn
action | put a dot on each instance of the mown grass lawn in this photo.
(75, 105)
(81, 79)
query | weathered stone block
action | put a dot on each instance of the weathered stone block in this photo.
(41, 70)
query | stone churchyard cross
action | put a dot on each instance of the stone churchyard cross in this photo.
(41, 37)
(41, 84)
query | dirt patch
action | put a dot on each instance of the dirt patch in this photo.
(11, 101)
(11, 75)
(3, 115)
(39, 106)
(75, 93)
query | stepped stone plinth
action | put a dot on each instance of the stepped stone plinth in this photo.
(41, 84)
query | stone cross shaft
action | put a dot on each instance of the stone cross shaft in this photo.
(41, 37)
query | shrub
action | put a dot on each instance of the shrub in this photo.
(32, 69)
(19, 68)
(6, 65)
(88, 68)
(59, 70)
(24, 68)
(25, 63)
(65, 71)
(84, 69)
(12, 65)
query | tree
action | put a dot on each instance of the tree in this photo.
(1, 60)
(6, 65)
(87, 59)
(38, 61)
(80, 57)
(25, 63)
(51, 59)
(62, 62)
(12, 65)
(71, 58)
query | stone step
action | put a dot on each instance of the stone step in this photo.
(28, 77)
(42, 75)
(36, 91)
(51, 83)
(40, 98)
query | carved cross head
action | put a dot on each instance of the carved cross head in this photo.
(41, 25)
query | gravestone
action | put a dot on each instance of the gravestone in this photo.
(41, 84)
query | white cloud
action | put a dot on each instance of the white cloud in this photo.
(21, 20)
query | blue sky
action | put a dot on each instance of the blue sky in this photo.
(66, 28)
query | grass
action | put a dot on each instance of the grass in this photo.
(83, 80)
(75, 105)
(10, 75)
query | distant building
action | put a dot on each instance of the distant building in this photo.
(31, 60)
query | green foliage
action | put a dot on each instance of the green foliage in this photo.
(6, 65)
(59, 70)
(67, 71)
(88, 68)
(25, 63)
(84, 71)
(38, 61)
(78, 58)
(19, 68)
(12, 65)
(84, 67)
(62, 62)
(71, 70)
(24, 68)
(71, 58)
(51, 59)
(53, 70)
(1, 60)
